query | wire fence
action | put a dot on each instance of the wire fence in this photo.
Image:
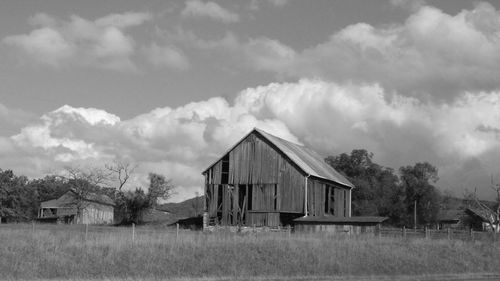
(449, 234)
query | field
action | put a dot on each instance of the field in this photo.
(65, 252)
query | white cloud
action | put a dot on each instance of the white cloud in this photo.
(278, 3)
(197, 8)
(408, 4)
(124, 20)
(432, 54)
(461, 138)
(45, 44)
(169, 56)
(102, 43)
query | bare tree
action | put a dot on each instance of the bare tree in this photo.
(120, 172)
(85, 183)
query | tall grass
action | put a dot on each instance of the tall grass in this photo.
(67, 252)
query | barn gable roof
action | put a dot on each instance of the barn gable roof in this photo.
(67, 200)
(310, 162)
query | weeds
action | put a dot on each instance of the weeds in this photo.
(108, 252)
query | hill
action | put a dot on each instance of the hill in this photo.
(189, 208)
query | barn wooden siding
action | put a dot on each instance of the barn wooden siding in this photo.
(254, 173)
(254, 184)
(316, 198)
(96, 213)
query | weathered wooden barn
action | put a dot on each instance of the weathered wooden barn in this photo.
(95, 209)
(264, 180)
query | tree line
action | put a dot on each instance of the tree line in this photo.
(20, 197)
(381, 191)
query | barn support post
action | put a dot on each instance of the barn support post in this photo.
(305, 195)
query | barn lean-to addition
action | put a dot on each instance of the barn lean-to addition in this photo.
(264, 180)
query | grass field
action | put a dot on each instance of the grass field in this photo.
(67, 252)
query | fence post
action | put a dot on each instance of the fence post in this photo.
(449, 233)
(177, 232)
(426, 233)
(86, 230)
(133, 232)
(289, 231)
(471, 234)
(33, 227)
(404, 231)
(378, 232)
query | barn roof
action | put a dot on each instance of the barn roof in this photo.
(67, 200)
(305, 158)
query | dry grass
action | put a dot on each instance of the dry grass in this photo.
(63, 252)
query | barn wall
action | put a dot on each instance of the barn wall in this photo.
(276, 184)
(95, 213)
(316, 198)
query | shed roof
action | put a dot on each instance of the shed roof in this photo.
(450, 215)
(334, 219)
(482, 214)
(310, 162)
(68, 199)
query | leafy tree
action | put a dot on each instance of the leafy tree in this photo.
(134, 205)
(15, 198)
(376, 191)
(49, 187)
(418, 183)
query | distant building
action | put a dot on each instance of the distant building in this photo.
(468, 218)
(95, 209)
(264, 180)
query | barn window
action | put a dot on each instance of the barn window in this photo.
(250, 197)
(275, 197)
(329, 200)
(225, 169)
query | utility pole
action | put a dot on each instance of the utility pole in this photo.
(415, 216)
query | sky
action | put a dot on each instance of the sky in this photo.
(171, 85)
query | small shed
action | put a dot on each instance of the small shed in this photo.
(94, 209)
(468, 218)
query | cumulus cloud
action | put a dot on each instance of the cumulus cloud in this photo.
(102, 43)
(168, 56)
(11, 120)
(197, 8)
(261, 53)
(431, 55)
(461, 138)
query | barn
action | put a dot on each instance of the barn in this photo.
(264, 180)
(95, 209)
